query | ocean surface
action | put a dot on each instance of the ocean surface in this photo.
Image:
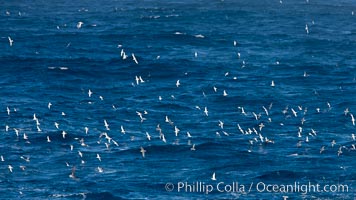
(265, 89)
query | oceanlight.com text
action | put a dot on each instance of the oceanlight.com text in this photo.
(259, 187)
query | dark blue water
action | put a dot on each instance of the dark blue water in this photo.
(51, 60)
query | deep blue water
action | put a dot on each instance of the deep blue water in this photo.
(52, 60)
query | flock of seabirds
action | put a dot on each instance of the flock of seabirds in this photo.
(108, 136)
